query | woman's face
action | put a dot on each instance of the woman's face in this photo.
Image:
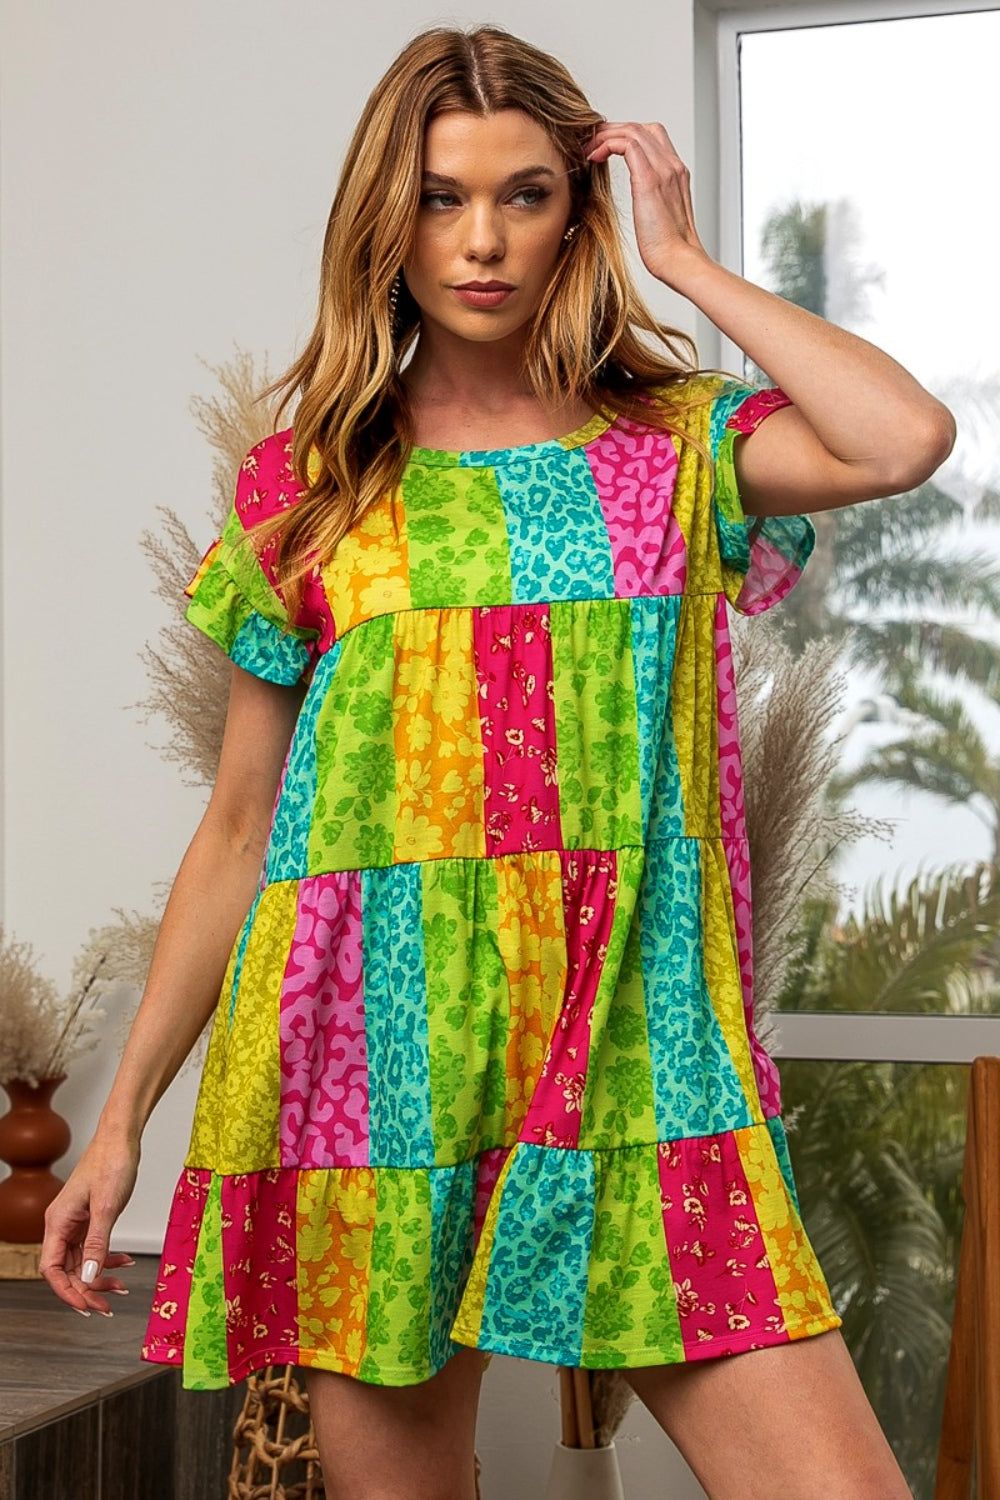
(494, 205)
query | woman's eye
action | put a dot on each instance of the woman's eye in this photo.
(540, 194)
(441, 199)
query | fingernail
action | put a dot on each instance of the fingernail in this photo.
(108, 1314)
(89, 1270)
(128, 1261)
(119, 1291)
(84, 1311)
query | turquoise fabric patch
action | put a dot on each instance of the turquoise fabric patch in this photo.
(453, 1203)
(558, 538)
(696, 1087)
(399, 1090)
(240, 953)
(536, 1287)
(264, 650)
(654, 637)
(779, 1140)
(288, 845)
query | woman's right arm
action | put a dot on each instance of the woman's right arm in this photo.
(210, 896)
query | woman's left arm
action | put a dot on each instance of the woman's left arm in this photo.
(861, 426)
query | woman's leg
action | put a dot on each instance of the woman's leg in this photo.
(408, 1442)
(791, 1422)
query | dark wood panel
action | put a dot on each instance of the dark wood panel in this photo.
(7, 1471)
(137, 1441)
(55, 1362)
(204, 1452)
(60, 1461)
(143, 1436)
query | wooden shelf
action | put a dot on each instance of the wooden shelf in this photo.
(83, 1417)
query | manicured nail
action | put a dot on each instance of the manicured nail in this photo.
(128, 1261)
(119, 1291)
(89, 1270)
(84, 1311)
(108, 1314)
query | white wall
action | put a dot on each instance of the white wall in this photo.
(165, 176)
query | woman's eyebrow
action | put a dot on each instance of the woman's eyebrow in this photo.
(524, 172)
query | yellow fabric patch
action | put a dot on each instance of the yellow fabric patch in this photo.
(802, 1290)
(335, 1219)
(438, 746)
(532, 942)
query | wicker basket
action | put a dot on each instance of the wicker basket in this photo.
(274, 1447)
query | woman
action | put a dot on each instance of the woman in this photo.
(472, 878)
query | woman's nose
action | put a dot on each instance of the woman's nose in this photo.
(484, 234)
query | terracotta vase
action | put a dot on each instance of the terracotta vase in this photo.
(32, 1137)
(584, 1474)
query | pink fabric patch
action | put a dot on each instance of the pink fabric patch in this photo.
(324, 1059)
(513, 653)
(590, 886)
(259, 1265)
(164, 1341)
(756, 407)
(635, 470)
(490, 1166)
(732, 812)
(722, 1278)
(770, 577)
(265, 486)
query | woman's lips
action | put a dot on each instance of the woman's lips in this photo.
(482, 299)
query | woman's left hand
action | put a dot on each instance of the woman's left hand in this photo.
(661, 194)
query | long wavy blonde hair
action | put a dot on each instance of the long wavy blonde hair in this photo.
(584, 342)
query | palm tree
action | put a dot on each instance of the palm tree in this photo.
(885, 572)
(946, 756)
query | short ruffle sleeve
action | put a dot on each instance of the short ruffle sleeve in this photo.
(762, 556)
(233, 602)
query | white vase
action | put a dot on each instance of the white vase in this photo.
(584, 1474)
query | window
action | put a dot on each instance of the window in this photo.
(854, 158)
(853, 145)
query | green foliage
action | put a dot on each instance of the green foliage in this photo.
(915, 950)
(877, 1147)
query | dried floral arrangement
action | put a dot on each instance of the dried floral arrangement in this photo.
(789, 706)
(42, 1031)
(188, 675)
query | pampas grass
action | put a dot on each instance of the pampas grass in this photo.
(41, 1031)
(188, 675)
(29, 1013)
(788, 708)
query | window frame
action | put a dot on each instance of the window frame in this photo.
(843, 1036)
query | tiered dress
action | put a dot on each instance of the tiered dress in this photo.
(483, 1069)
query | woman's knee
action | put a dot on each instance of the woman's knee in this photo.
(797, 1422)
(377, 1441)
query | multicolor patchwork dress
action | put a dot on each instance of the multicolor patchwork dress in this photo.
(483, 1069)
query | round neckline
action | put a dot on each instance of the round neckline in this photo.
(490, 457)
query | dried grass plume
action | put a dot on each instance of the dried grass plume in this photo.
(189, 676)
(788, 707)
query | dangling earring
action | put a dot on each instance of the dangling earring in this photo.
(571, 231)
(394, 298)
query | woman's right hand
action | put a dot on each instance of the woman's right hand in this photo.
(79, 1221)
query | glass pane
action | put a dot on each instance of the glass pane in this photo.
(865, 199)
(877, 1151)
